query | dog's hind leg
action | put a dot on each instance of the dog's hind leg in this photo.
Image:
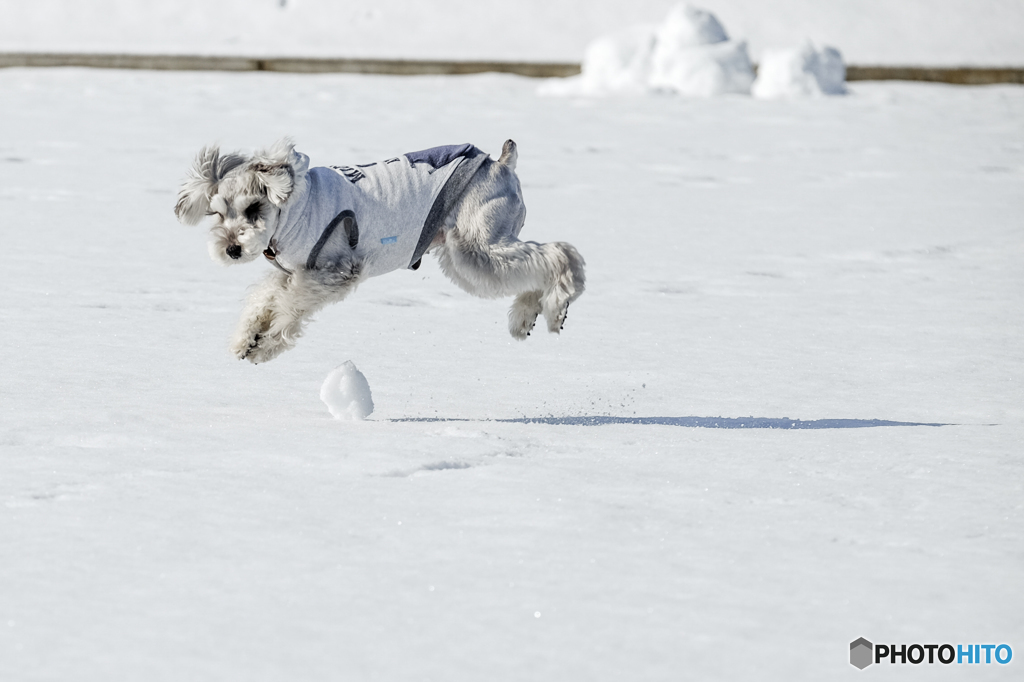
(545, 278)
(565, 286)
(481, 251)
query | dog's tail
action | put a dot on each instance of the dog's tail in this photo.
(509, 154)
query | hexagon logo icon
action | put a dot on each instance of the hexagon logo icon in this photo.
(861, 651)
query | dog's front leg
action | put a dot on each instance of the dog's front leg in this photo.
(278, 308)
(266, 327)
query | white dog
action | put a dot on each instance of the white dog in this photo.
(327, 229)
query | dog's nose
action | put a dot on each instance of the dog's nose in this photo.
(235, 251)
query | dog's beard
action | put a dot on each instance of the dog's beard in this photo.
(252, 240)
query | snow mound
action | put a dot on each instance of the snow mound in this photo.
(686, 26)
(689, 53)
(616, 63)
(804, 71)
(705, 71)
(346, 392)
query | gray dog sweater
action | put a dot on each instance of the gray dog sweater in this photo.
(386, 213)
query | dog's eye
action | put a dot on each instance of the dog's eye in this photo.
(253, 212)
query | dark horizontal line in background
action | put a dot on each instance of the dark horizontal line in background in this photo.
(692, 422)
(394, 67)
(961, 75)
(957, 75)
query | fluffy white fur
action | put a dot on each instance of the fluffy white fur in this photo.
(478, 246)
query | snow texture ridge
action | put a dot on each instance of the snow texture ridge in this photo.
(346, 392)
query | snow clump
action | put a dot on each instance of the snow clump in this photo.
(689, 53)
(346, 393)
(801, 72)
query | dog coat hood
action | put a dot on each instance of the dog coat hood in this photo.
(386, 212)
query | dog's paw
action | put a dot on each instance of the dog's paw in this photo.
(266, 350)
(522, 316)
(262, 347)
(250, 332)
(251, 348)
(555, 311)
(242, 350)
(267, 339)
(556, 322)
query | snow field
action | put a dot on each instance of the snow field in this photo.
(176, 514)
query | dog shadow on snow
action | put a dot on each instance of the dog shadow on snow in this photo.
(692, 422)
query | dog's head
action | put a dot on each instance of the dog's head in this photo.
(244, 194)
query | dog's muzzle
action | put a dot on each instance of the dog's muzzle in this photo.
(235, 251)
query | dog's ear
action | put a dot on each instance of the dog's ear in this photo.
(200, 185)
(275, 172)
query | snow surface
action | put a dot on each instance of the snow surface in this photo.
(346, 392)
(928, 32)
(173, 514)
(801, 71)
